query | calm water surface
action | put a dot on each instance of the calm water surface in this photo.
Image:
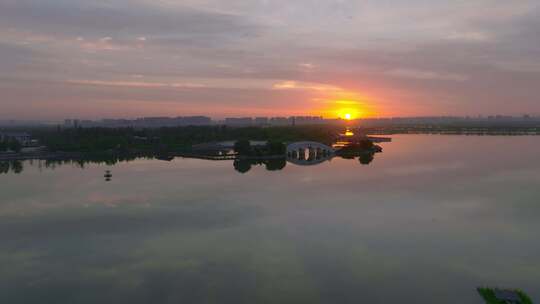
(429, 220)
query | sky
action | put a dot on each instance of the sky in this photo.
(376, 58)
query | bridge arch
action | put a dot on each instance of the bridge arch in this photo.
(306, 153)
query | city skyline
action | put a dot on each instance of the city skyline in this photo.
(257, 120)
(203, 120)
(120, 58)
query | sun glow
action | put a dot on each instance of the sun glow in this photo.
(349, 113)
(347, 105)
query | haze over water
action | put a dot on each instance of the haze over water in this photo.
(428, 221)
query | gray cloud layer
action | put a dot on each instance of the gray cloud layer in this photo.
(118, 58)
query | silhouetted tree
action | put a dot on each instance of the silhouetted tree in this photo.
(173, 138)
(365, 144)
(242, 147)
(276, 148)
(15, 145)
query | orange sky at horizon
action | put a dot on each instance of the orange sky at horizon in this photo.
(330, 100)
(296, 100)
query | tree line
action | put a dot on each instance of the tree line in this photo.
(10, 144)
(170, 138)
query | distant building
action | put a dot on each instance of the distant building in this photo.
(261, 121)
(306, 120)
(193, 121)
(242, 121)
(279, 121)
(22, 137)
(71, 123)
(143, 122)
(154, 122)
(87, 123)
(114, 123)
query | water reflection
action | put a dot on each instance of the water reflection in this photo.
(430, 219)
(108, 175)
(309, 153)
(366, 158)
(243, 165)
(15, 166)
(308, 156)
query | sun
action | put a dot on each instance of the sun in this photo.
(346, 110)
(348, 113)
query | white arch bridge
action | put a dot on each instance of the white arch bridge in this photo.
(306, 153)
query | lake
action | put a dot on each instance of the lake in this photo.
(427, 221)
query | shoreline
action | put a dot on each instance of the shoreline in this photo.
(164, 156)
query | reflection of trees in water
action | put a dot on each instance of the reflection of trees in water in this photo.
(366, 158)
(275, 164)
(364, 151)
(240, 165)
(106, 159)
(244, 165)
(4, 167)
(15, 166)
